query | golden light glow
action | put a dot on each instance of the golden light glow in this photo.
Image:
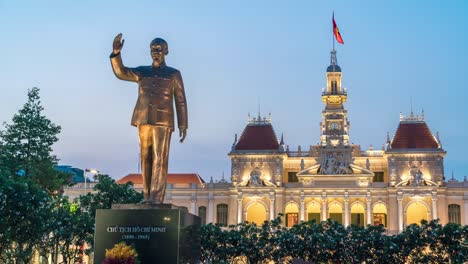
(357, 209)
(335, 208)
(256, 213)
(291, 208)
(404, 177)
(415, 213)
(313, 208)
(380, 209)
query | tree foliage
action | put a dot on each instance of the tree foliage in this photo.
(108, 192)
(105, 193)
(25, 211)
(330, 242)
(34, 216)
(70, 227)
(32, 220)
(26, 146)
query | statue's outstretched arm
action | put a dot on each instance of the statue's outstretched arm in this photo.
(119, 69)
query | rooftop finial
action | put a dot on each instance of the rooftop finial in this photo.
(223, 180)
(333, 59)
(259, 120)
(438, 139)
(388, 137)
(453, 178)
(259, 108)
(282, 140)
(411, 103)
(412, 117)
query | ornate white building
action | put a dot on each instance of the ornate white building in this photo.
(397, 185)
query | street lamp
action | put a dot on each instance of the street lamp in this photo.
(93, 171)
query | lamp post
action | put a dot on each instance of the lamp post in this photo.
(93, 171)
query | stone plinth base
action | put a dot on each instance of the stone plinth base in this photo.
(160, 233)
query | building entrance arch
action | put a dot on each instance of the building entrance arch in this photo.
(256, 213)
(415, 212)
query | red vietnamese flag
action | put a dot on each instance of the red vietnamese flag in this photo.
(336, 31)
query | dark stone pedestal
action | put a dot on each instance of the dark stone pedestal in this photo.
(160, 233)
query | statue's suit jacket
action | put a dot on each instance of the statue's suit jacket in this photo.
(158, 88)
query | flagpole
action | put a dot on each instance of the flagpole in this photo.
(333, 30)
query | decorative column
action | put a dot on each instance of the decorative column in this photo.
(210, 208)
(346, 210)
(272, 205)
(434, 205)
(400, 212)
(302, 207)
(193, 206)
(324, 206)
(239, 208)
(465, 204)
(369, 208)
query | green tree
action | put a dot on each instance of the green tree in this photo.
(218, 245)
(25, 211)
(105, 193)
(69, 229)
(26, 146)
(108, 192)
(330, 242)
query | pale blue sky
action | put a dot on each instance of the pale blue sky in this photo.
(230, 55)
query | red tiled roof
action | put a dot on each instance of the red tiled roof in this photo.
(258, 137)
(414, 135)
(173, 178)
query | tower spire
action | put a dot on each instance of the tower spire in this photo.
(335, 126)
(333, 59)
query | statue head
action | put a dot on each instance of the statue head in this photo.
(159, 50)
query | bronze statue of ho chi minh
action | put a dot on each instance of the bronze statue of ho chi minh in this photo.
(158, 86)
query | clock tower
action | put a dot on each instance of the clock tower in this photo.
(334, 128)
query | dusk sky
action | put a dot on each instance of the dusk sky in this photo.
(235, 56)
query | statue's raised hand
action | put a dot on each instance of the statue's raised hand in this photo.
(118, 43)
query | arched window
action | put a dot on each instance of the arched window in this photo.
(222, 214)
(380, 214)
(454, 213)
(313, 212)
(335, 213)
(292, 214)
(334, 87)
(202, 214)
(357, 214)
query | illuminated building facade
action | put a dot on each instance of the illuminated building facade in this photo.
(399, 184)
